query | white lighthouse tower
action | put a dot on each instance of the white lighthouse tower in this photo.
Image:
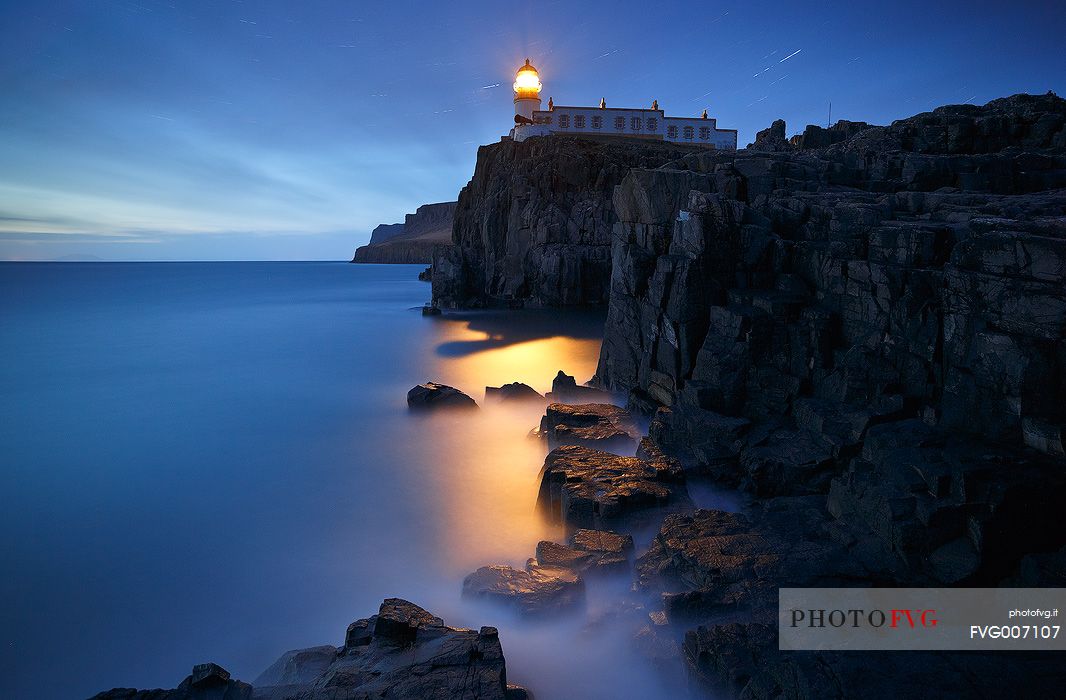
(526, 92)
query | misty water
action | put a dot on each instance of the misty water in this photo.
(215, 462)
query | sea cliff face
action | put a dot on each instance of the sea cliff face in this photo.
(413, 240)
(533, 226)
(923, 261)
(864, 328)
(869, 338)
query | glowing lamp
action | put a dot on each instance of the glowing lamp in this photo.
(527, 82)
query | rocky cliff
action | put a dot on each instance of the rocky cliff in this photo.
(533, 226)
(413, 240)
(862, 327)
(868, 336)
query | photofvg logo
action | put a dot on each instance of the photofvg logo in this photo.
(856, 617)
(920, 618)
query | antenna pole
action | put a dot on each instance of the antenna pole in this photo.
(830, 122)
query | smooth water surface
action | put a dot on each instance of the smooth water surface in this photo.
(214, 461)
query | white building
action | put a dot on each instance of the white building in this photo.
(531, 120)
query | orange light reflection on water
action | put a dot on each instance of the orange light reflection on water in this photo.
(483, 465)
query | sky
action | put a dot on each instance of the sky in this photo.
(279, 130)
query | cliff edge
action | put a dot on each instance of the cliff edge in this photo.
(533, 226)
(861, 327)
(411, 241)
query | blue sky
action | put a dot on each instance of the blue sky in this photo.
(218, 129)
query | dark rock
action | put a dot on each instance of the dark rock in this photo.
(554, 554)
(586, 488)
(398, 622)
(428, 310)
(207, 682)
(516, 391)
(208, 675)
(412, 241)
(952, 509)
(590, 552)
(536, 590)
(517, 692)
(741, 660)
(565, 389)
(433, 396)
(402, 652)
(426, 275)
(602, 542)
(302, 666)
(709, 563)
(596, 425)
(771, 139)
(1043, 570)
(533, 225)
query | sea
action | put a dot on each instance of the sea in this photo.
(215, 462)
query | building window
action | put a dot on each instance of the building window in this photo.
(619, 123)
(564, 121)
(671, 131)
(634, 123)
(705, 132)
(597, 122)
(579, 121)
(542, 119)
(653, 124)
(688, 132)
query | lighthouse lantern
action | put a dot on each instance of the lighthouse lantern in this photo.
(526, 91)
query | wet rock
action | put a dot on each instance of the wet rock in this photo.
(565, 389)
(206, 682)
(433, 396)
(554, 554)
(517, 692)
(403, 651)
(596, 425)
(589, 552)
(710, 562)
(536, 590)
(428, 310)
(515, 391)
(586, 488)
(602, 542)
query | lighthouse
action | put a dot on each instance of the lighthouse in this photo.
(611, 122)
(526, 92)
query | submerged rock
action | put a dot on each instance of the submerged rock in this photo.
(536, 590)
(598, 425)
(586, 488)
(402, 652)
(432, 396)
(206, 682)
(515, 391)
